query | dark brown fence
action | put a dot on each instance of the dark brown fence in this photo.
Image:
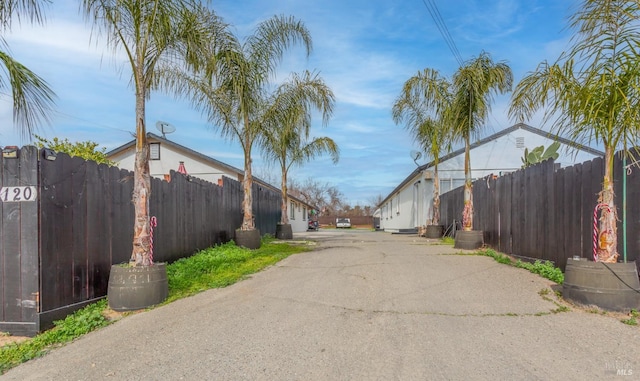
(544, 213)
(57, 249)
(19, 240)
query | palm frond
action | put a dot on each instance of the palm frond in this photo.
(33, 99)
(17, 10)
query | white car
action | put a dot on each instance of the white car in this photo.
(343, 223)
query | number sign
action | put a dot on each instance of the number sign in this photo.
(18, 194)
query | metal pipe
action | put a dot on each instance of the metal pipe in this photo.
(624, 206)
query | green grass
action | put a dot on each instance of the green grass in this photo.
(448, 241)
(545, 269)
(73, 326)
(215, 267)
(633, 318)
(223, 265)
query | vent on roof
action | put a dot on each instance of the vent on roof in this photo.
(520, 142)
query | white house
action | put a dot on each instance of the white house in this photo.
(166, 155)
(409, 205)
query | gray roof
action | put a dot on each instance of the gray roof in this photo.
(488, 139)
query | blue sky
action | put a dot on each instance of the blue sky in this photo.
(364, 50)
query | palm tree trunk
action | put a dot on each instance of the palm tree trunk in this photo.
(284, 218)
(467, 212)
(247, 201)
(436, 197)
(606, 250)
(141, 254)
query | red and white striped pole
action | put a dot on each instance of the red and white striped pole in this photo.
(153, 222)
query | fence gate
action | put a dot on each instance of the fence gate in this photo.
(19, 240)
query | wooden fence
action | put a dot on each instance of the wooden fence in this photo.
(57, 248)
(546, 213)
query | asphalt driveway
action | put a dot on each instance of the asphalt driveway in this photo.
(362, 306)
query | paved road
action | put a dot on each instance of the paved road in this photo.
(363, 306)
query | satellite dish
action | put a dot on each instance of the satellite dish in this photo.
(415, 155)
(165, 128)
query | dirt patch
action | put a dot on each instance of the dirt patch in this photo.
(112, 315)
(6, 339)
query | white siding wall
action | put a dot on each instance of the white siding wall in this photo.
(170, 159)
(501, 156)
(411, 207)
(300, 220)
(497, 157)
(401, 211)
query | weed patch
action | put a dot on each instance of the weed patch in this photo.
(222, 266)
(560, 309)
(75, 325)
(545, 269)
(500, 258)
(633, 318)
(448, 241)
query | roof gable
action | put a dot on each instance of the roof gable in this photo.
(481, 142)
(179, 148)
(515, 127)
(204, 158)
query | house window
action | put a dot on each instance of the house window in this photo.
(292, 211)
(304, 213)
(154, 151)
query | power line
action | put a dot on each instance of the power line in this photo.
(90, 122)
(5, 97)
(432, 7)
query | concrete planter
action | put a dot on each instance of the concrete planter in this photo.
(468, 239)
(612, 286)
(284, 231)
(434, 231)
(249, 239)
(135, 288)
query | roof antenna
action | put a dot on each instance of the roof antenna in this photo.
(165, 128)
(415, 155)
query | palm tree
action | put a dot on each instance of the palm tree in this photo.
(592, 93)
(159, 38)
(287, 121)
(423, 106)
(234, 99)
(33, 99)
(474, 85)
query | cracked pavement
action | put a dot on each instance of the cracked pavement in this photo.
(362, 306)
